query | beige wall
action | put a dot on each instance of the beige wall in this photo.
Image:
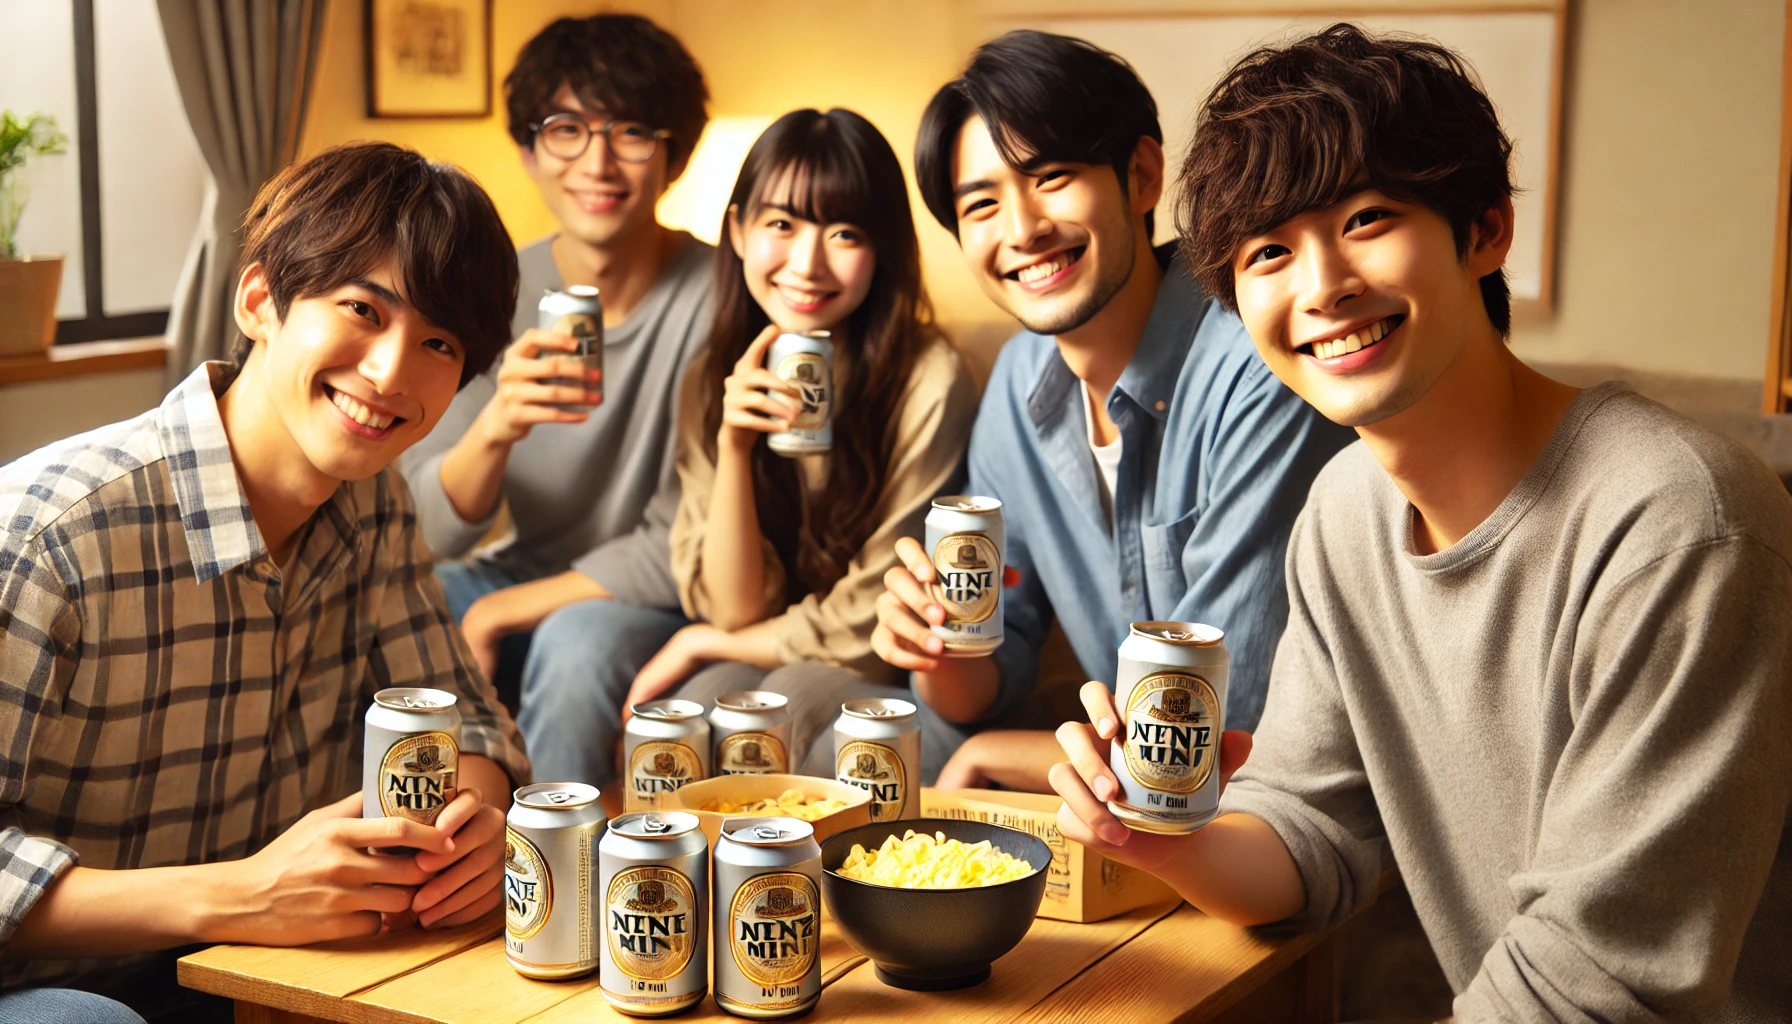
(1672, 151)
(33, 415)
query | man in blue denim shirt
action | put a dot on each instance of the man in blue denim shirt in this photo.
(1149, 465)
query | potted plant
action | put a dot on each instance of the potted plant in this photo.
(28, 284)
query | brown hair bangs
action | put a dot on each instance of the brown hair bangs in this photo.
(1300, 127)
(320, 224)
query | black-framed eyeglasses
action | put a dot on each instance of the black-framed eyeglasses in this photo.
(567, 136)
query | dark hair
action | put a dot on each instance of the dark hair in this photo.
(320, 224)
(1046, 98)
(834, 167)
(1299, 127)
(619, 63)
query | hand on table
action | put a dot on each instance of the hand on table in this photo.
(317, 881)
(907, 611)
(1087, 782)
(468, 877)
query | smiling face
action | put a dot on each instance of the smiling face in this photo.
(1362, 306)
(597, 198)
(354, 376)
(1050, 244)
(805, 275)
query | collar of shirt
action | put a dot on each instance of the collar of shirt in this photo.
(1150, 377)
(214, 512)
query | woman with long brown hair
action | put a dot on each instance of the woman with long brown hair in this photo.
(780, 560)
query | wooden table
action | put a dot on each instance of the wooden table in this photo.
(1161, 963)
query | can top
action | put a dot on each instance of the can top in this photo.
(654, 824)
(583, 291)
(767, 831)
(1183, 634)
(972, 503)
(752, 700)
(878, 708)
(555, 796)
(414, 698)
(668, 710)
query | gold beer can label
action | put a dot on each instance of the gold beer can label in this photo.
(1171, 742)
(969, 570)
(580, 326)
(878, 770)
(809, 372)
(528, 887)
(658, 767)
(773, 928)
(650, 927)
(417, 776)
(746, 753)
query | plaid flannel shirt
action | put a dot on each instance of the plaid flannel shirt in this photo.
(167, 695)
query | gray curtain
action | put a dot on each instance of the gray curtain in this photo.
(244, 68)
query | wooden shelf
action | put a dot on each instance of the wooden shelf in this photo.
(84, 358)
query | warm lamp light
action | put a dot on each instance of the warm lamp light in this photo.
(699, 198)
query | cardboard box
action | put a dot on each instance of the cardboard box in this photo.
(1083, 886)
(743, 788)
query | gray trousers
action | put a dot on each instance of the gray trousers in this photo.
(815, 692)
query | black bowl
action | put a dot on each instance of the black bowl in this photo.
(934, 939)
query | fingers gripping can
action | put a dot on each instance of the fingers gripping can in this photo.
(767, 917)
(665, 746)
(578, 312)
(412, 756)
(877, 747)
(966, 543)
(550, 842)
(1170, 690)
(751, 730)
(807, 361)
(653, 878)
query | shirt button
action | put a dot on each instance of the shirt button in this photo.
(1160, 405)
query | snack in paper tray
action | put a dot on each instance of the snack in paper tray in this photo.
(792, 803)
(921, 861)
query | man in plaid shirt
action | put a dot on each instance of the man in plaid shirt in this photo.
(197, 606)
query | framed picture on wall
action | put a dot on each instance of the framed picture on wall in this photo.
(429, 58)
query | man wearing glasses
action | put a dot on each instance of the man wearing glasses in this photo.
(578, 595)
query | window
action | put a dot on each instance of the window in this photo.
(122, 205)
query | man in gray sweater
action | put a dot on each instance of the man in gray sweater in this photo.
(1539, 644)
(605, 111)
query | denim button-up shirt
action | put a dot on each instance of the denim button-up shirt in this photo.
(1216, 459)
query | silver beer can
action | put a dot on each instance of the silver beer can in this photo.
(653, 879)
(577, 312)
(877, 747)
(665, 746)
(767, 931)
(751, 731)
(807, 361)
(412, 756)
(966, 543)
(550, 842)
(1170, 690)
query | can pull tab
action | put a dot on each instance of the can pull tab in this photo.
(416, 702)
(880, 712)
(766, 832)
(1179, 635)
(655, 824)
(558, 796)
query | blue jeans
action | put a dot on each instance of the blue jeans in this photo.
(573, 672)
(62, 1006)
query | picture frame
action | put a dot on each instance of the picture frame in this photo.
(428, 58)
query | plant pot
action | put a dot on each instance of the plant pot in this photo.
(28, 304)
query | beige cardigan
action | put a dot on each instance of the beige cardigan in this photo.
(933, 426)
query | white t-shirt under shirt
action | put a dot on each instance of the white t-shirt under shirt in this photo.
(1107, 457)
